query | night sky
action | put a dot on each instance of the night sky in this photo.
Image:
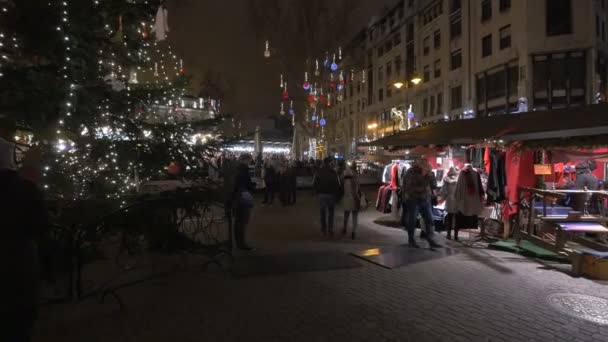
(216, 35)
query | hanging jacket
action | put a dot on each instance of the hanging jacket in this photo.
(469, 193)
(448, 193)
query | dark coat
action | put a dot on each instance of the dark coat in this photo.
(326, 181)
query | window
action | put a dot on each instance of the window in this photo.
(389, 70)
(504, 5)
(437, 73)
(486, 46)
(456, 97)
(455, 27)
(380, 74)
(410, 32)
(486, 10)
(426, 45)
(437, 39)
(505, 37)
(380, 95)
(426, 75)
(425, 106)
(439, 103)
(455, 5)
(456, 60)
(432, 109)
(380, 51)
(559, 17)
(398, 66)
(388, 46)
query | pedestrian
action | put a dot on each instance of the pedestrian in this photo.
(23, 218)
(448, 194)
(242, 201)
(417, 192)
(270, 176)
(352, 199)
(327, 185)
(292, 184)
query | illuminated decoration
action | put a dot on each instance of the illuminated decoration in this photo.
(282, 112)
(410, 113)
(156, 74)
(340, 97)
(133, 77)
(282, 84)
(313, 118)
(306, 84)
(399, 118)
(181, 66)
(326, 61)
(311, 98)
(522, 106)
(267, 53)
(468, 114)
(341, 82)
(363, 76)
(339, 53)
(161, 24)
(398, 85)
(352, 75)
(322, 122)
(328, 104)
(317, 71)
(291, 110)
(285, 94)
(334, 65)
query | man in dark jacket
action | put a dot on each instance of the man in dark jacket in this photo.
(270, 177)
(327, 186)
(23, 218)
(417, 192)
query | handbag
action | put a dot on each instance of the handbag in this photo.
(493, 225)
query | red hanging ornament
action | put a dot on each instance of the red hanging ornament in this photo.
(306, 85)
(181, 70)
(321, 98)
(285, 95)
(328, 104)
(332, 85)
(174, 169)
(342, 82)
(311, 98)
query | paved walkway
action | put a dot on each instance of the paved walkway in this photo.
(476, 295)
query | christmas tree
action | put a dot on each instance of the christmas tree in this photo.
(101, 91)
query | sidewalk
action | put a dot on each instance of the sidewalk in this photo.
(476, 295)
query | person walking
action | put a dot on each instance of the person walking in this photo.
(293, 184)
(270, 176)
(351, 200)
(327, 185)
(448, 194)
(417, 192)
(243, 201)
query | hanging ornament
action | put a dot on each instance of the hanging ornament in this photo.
(334, 65)
(156, 69)
(328, 104)
(114, 82)
(282, 83)
(133, 77)
(118, 36)
(311, 98)
(317, 71)
(321, 97)
(181, 66)
(340, 97)
(326, 61)
(341, 83)
(267, 53)
(332, 84)
(161, 25)
(339, 53)
(291, 110)
(322, 122)
(285, 94)
(352, 75)
(314, 117)
(363, 76)
(282, 112)
(306, 84)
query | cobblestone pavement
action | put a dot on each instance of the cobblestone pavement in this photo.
(475, 295)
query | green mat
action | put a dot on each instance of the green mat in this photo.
(526, 248)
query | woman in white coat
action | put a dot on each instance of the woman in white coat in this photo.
(351, 200)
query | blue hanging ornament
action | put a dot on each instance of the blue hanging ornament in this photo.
(334, 65)
(322, 122)
(313, 118)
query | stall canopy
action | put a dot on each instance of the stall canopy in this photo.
(550, 125)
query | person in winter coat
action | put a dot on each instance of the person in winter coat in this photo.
(448, 194)
(327, 185)
(270, 176)
(584, 180)
(242, 201)
(417, 192)
(23, 218)
(292, 184)
(351, 200)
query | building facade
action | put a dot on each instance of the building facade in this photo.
(474, 58)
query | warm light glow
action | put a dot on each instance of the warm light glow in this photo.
(372, 126)
(416, 80)
(398, 85)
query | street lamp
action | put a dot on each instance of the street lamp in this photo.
(416, 79)
(398, 85)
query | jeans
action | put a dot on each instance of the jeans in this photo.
(411, 209)
(328, 206)
(355, 219)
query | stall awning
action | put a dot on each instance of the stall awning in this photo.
(541, 125)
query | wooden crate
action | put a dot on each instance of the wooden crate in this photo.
(595, 267)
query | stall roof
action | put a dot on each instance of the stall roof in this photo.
(533, 126)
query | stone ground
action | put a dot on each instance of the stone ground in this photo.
(475, 295)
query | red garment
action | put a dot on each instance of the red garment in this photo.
(486, 160)
(395, 176)
(520, 173)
